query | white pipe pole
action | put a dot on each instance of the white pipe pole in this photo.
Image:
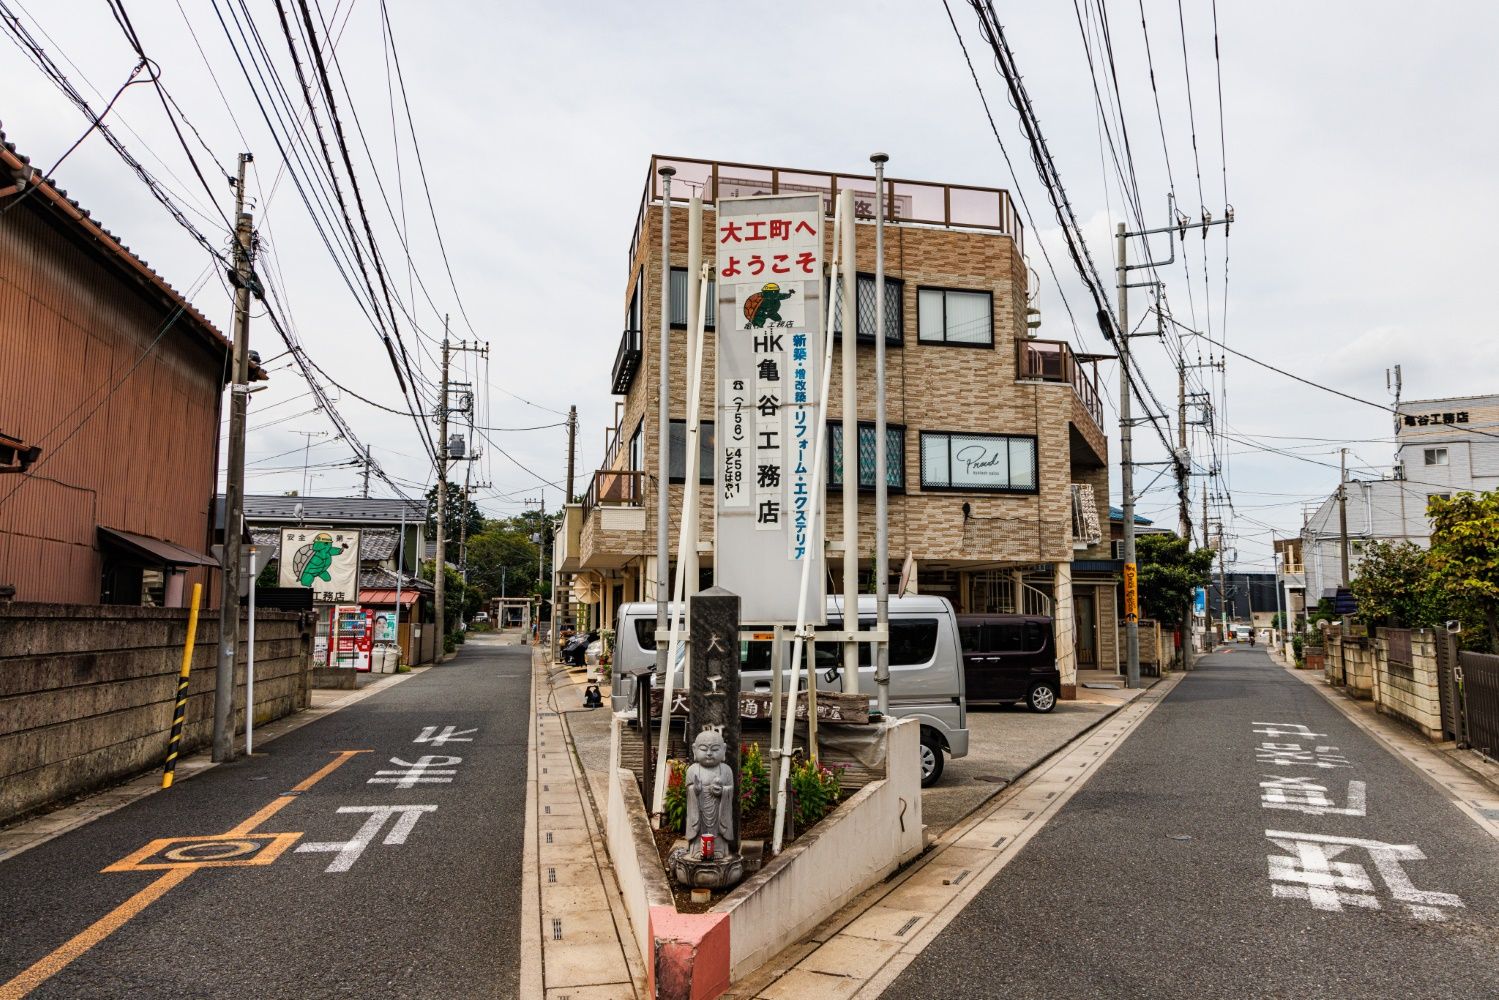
(696, 309)
(250, 666)
(400, 577)
(819, 458)
(881, 460)
(686, 536)
(663, 427)
(850, 445)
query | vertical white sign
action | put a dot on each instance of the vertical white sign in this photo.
(770, 347)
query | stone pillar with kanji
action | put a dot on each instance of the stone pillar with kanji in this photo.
(713, 709)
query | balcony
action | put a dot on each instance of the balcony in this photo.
(955, 206)
(614, 488)
(1053, 361)
(626, 362)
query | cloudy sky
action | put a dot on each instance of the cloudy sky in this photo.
(1360, 142)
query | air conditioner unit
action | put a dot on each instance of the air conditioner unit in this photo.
(1118, 546)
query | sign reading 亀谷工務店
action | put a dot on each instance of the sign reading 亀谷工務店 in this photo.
(325, 560)
(770, 346)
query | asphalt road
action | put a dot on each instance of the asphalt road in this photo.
(431, 907)
(1160, 878)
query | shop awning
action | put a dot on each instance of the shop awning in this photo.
(154, 550)
(408, 597)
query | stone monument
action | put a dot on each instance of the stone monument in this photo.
(711, 858)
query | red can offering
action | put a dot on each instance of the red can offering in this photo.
(707, 840)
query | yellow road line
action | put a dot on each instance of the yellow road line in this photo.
(100, 929)
(45, 968)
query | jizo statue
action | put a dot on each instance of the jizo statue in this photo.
(710, 796)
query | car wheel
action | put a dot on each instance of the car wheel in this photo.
(931, 758)
(1043, 698)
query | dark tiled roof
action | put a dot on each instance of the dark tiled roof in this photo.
(115, 245)
(350, 512)
(384, 579)
(1117, 514)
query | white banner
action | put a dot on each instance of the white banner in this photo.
(325, 560)
(770, 347)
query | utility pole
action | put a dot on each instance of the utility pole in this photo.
(439, 571)
(1343, 510)
(1222, 581)
(367, 461)
(1207, 612)
(1183, 488)
(568, 614)
(234, 488)
(1127, 481)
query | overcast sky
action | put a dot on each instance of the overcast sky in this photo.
(1360, 138)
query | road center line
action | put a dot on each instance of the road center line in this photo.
(49, 966)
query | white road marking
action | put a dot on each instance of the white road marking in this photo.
(349, 851)
(1304, 796)
(1309, 873)
(1295, 755)
(1276, 729)
(449, 734)
(426, 770)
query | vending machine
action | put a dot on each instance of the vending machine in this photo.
(353, 633)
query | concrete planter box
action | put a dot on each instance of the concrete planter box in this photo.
(699, 955)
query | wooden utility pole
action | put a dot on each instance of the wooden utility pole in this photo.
(234, 486)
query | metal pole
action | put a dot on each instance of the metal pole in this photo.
(1343, 511)
(663, 429)
(400, 579)
(234, 488)
(439, 574)
(694, 349)
(1183, 491)
(250, 665)
(777, 681)
(881, 490)
(850, 445)
(1127, 481)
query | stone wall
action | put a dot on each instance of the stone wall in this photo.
(1411, 692)
(87, 692)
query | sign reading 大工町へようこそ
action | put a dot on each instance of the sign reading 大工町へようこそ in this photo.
(324, 560)
(770, 345)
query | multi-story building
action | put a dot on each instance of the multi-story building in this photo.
(962, 367)
(1443, 447)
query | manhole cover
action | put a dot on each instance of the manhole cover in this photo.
(993, 779)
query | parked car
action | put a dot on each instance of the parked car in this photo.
(926, 676)
(1010, 658)
(481, 618)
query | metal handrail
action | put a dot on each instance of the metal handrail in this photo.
(1054, 361)
(615, 487)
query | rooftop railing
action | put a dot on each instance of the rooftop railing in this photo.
(958, 206)
(1053, 361)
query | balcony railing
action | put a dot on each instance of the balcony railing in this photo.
(1053, 361)
(615, 487)
(626, 362)
(956, 206)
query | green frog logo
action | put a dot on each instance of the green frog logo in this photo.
(765, 306)
(312, 560)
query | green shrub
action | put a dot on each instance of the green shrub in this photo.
(448, 644)
(817, 789)
(460, 636)
(754, 782)
(1296, 645)
(675, 801)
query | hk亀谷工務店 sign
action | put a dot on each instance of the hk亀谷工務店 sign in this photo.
(770, 346)
(324, 560)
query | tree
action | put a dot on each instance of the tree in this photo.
(502, 560)
(1465, 553)
(458, 510)
(1169, 571)
(1395, 586)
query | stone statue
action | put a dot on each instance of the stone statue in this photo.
(710, 796)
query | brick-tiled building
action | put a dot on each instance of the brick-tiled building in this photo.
(960, 369)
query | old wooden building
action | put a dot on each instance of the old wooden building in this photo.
(110, 391)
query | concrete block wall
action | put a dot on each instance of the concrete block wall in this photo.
(1411, 693)
(87, 692)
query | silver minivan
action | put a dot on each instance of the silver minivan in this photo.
(926, 667)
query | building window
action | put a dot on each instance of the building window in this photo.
(679, 299)
(637, 454)
(632, 318)
(864, 303)
(895, 456)
(948, 316)
(677, 470)
(1436, 456)
(1438, 496)
(989, 463)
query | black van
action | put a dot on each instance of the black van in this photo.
(1010, 658)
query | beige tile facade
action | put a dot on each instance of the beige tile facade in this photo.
(930, 387)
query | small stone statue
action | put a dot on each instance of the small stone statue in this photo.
(710, 796)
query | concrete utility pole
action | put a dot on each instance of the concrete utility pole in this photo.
(663, 428)
(1127, 481)
(567, 592)
(1343, 510)
(439, 570)
(881, 476)
(1183, 488)
(1222, 582)
(234, 487)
